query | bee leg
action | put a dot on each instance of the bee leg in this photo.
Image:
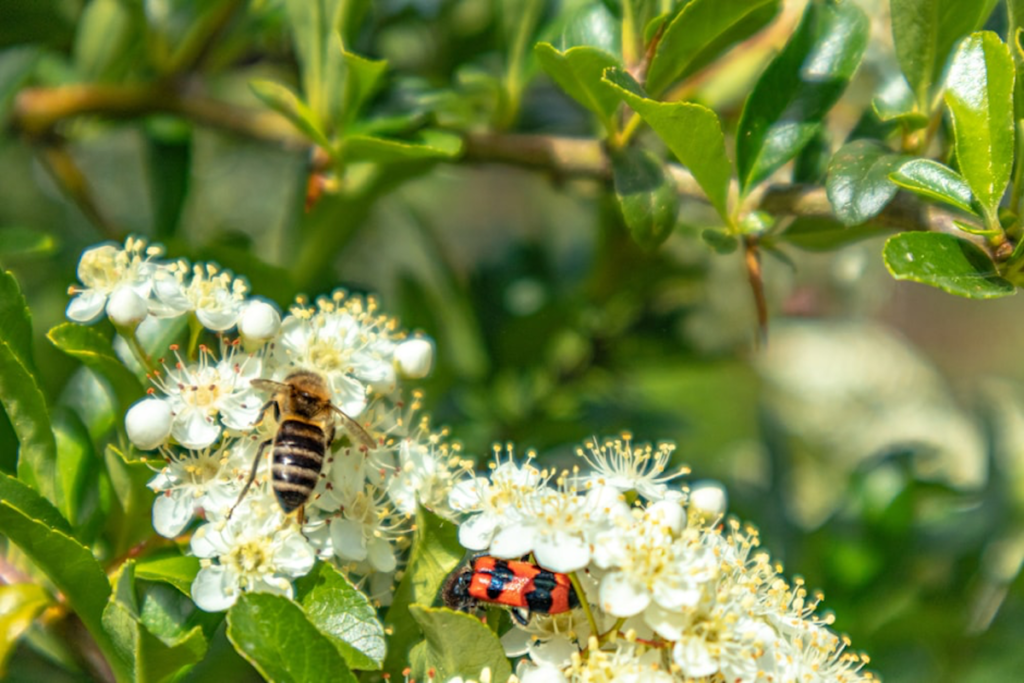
(252, 474)
(272, 403)
(521, 616)
(300, 515)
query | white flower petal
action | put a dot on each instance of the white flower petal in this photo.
(347, 536)
(126, 308)
(512, 542)
(414, 358)
(695, 658)
(542, 674)
(621, 597)
(194, 430)
(561, 552)
(86, 307)
(381, 555)
(477, 531)
(213, 589)
(670, 625)
(171, 514)
(295, 557)
(259, 321)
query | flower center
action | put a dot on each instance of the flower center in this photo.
(327, 357)
(99, 269)
(248, 558)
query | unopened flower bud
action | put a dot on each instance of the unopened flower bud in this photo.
(148, 423)
(668, 513)
(709, 500)
(415, 357)
(126, 308)
(259, 321)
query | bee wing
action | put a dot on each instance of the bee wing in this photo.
(354, 429)
(268, 385)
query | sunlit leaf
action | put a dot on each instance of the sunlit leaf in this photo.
(785, 109)
(933, 180)
(273, 634)
(858, 182)
(691, 131)
(20, 603)
(979, 94)
(940, 260)
(459, 644)
(578, 72)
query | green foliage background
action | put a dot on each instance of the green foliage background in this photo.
(576, 281)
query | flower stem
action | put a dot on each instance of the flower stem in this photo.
(195, 328)
(578, 587)
(128, 334)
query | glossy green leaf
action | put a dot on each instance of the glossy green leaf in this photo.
(20, 604)
(20, 242)
(459, 644)
(858, 184)
(720, 241)
(435, 553)
(824, 234)
(940, 260)
(273, 634)
(933, 180)
(430, 145)
(285, 102)
(698, 25)
(20, 393)
(785, 109)
(592, 25)
(691, 131)
(894, 103)
(344, 615)
(173, 568)
(149, 659)
(647, 197)
(130, 521)
(32, 504)
(27, 521)
(578, 72)
(924, 32)
(97, 353)
(979, 94)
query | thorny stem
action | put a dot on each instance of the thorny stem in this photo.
(584, 603)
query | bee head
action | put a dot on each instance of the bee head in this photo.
(455, 592)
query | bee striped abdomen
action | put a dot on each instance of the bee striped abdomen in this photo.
(298, 458)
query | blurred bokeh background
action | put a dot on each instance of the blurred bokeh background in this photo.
(876, 439)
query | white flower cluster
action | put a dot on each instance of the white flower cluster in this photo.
(206, 418)
(672, 592)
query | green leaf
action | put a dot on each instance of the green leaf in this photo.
(175, 569)
(272, 633)
(26, 520)
(169, 162)
(435, 553)
(107, 30)
(691, 131)
(647, 196)
(148, 658)
(1014, 33)
(77, 466)
(700, 24)
(721, 241)
(285, 102)
(130, 522)
(20, 393)
(21, 242)
(895, 103)
(578, 72)
(362, 79)
(940, 260)
(20, 604)
(459, 644)
(430, 145)
(924, 31)
(785, 109)
(933, 180)
(824, 234)
(32, 504)
(97, 353)
(16, 66)
(858, 184)
(314, 27)
(344, 615)
(979, 94)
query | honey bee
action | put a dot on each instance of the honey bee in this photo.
(305, 420)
